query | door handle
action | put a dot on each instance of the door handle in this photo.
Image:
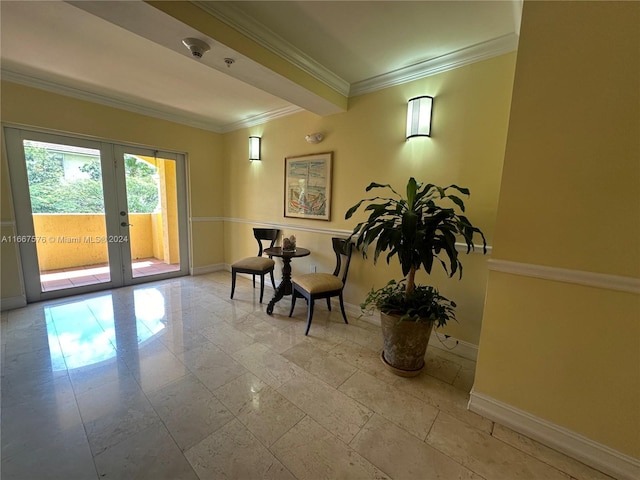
(125, 224)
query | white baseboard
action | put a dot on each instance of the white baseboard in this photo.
(11, 303)
(458, 347)
(207, 269)
(596, 455)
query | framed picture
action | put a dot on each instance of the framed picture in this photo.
(307, 186)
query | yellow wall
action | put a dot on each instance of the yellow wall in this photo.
(157, 232)
(27, 106)
(570, 198)
(467, 148)
(67, 245)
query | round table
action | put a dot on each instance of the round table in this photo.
(285, 287)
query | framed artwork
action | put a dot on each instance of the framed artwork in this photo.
(307, 186)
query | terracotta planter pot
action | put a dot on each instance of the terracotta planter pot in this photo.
(405, 344)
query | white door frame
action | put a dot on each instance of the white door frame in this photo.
(114, 192)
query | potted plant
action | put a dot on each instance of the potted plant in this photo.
(420, 230)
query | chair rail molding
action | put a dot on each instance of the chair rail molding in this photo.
(579, 277)
(207, 219)
(594, 454)
(461, 247)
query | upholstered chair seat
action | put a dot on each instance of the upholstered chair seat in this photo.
(314, 286)
(315, 283)
(257, 265)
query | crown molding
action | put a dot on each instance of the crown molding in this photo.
(58, 88)
(464, 56)
(235, 18)
(238, 20)
(262, 118)
(55, 87)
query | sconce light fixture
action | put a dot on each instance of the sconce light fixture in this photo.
(419, 117)
(254, 148)
(314, 137)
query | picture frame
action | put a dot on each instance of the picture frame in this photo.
(307, 186)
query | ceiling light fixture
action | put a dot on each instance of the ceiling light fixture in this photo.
(196, 46)
(419, 117)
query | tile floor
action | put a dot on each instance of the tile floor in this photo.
(172, 380)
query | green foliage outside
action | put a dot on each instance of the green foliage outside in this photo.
(52, 193)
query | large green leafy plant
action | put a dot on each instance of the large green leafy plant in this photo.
(420, 230)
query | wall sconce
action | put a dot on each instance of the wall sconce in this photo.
(314, 137)
(419, 117)
(254, 148)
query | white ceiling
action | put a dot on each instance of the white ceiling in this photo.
(129, 54)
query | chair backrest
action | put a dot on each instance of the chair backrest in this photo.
(265, 234)
(342, 249)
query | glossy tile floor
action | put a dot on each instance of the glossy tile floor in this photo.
(173, 380)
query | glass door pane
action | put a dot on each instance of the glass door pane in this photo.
(91, 215)
(67, 206)
(152, 209)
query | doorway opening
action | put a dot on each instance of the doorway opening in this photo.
(99, 215)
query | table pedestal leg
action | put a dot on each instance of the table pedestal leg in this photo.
(285, 287)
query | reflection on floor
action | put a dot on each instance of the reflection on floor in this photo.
(92, 274)
(172, 380)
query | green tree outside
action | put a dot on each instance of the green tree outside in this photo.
(51, 193)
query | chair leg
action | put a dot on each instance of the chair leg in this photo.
(309, 316)
(261, 287)
(254, 280)
(273, 282)
(344, 315)
(233, 282)
(293, 302)
(329, 303)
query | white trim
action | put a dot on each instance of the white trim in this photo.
(240, 21)
(579, 277)
(191, 121)
(596, 455)
(516, 5)
(459, 58)
(461, 247)
(216, 267)
(58, 88)
(261, 118)
(207, 219)
(11, 303)
(282, 226)
(457, 347)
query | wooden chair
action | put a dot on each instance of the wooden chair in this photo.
(258, 265)
(313, 286)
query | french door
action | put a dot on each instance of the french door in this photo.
(92, 215)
